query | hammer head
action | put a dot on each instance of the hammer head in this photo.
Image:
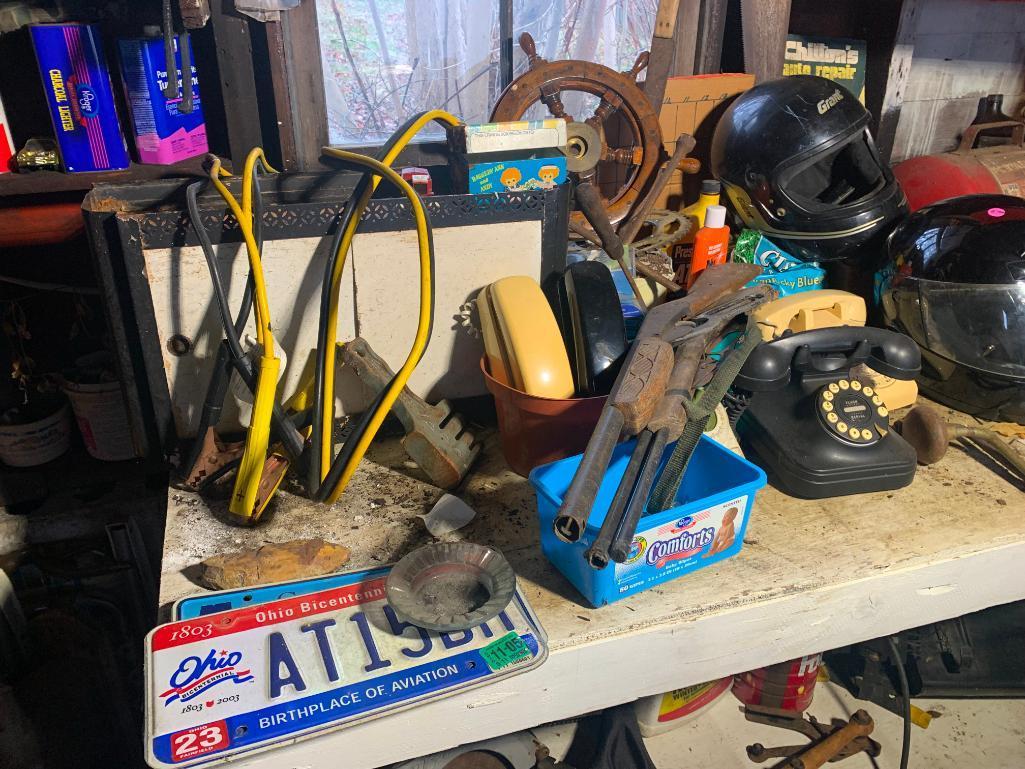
(444, 450)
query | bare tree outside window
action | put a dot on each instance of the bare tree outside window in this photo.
(385, 60)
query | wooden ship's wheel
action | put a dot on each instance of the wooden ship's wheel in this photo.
(630, 166)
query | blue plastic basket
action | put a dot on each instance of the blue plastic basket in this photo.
(718, 491)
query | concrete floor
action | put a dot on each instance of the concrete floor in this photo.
(966, 734)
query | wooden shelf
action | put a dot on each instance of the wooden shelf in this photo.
(48, 182)
(813, 575)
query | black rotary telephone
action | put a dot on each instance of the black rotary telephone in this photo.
(818, 431)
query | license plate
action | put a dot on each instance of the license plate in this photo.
(247, 678)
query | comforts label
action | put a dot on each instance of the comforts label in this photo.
(680, 545)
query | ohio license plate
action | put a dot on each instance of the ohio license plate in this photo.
(247, 678)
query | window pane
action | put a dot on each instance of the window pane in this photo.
(385, 60)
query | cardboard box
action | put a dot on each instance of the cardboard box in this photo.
(80, 98)
(693, 105)
(514, 136)
(541, 173)
(6, 142)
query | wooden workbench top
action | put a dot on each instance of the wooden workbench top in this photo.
(812, 575)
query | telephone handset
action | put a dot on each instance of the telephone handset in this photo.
(825, 308)
(821, 432)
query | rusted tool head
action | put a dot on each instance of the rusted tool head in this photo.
(927, 433)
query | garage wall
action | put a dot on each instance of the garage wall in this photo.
(963, 50)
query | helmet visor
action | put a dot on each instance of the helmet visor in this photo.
(977, 325)
(844, 175)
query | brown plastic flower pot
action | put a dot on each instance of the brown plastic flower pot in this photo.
(536, 430)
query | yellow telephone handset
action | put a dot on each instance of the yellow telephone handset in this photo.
(522, 341)
(825, 308)
(808, 310)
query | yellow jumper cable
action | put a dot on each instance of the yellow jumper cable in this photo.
(244, 497)
(327, 396)
(423, 320)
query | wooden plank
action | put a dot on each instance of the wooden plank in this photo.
(711, 28)
(686, 38)
(896, 79)
(280, 84)
(44, 182)
(813, 575)
(308, 107)
(238, 80)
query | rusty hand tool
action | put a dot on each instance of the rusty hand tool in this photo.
(930, 434)
(666, 423)
(633, 223)
(810, 727)
(591, 205)
(436, 438)
(860, 725)
(587, 233)
(641, 382)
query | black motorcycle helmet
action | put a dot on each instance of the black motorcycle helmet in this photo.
(955, 283)
(798, 163)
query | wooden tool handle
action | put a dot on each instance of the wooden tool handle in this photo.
(590, 203)
(690, 166)
(594, 211)
(860, 725)
(670, 414)
(644, 384)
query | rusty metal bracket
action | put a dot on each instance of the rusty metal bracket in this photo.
(436, 438)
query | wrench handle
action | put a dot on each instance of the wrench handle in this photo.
(859, 725)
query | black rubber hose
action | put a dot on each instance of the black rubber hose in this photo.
(283, 427)
(905, 694)
(348, 212)
(338, 464)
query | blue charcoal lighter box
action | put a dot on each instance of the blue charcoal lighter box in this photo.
(163, 133)
(80, 98)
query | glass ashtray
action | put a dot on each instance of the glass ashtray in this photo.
(450, 586)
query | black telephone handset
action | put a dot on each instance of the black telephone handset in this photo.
(819, 431)
(829, 352)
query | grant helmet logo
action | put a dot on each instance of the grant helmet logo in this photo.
(830, 101)
(197, 674)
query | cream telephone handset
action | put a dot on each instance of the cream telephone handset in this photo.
(826, 308)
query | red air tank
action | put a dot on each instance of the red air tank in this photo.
(967, 170)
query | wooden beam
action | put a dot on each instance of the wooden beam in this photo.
(234, 48)
(278, 66)
(308, 113)
(896, 79)
(711, 28)
(687, 27)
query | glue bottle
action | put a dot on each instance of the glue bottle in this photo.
(712, 243)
